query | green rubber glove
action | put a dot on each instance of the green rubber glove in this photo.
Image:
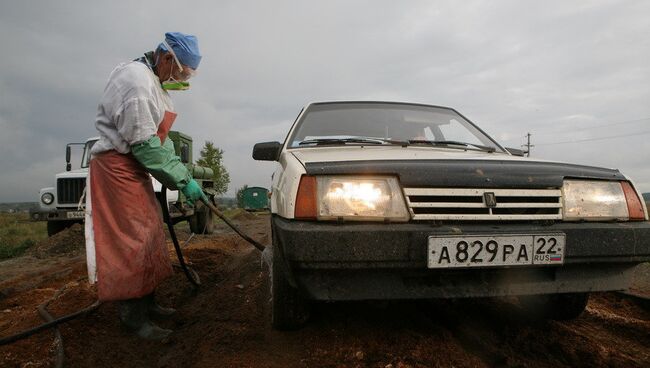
(193, 192)
(161, 162)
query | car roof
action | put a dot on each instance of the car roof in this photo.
(378, 102)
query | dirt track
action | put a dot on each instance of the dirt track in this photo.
(227, 324)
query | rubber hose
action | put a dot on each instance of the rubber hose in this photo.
(45, 326)
(58, 339)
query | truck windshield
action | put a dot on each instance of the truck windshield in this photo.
(389, 122)
(85, 160)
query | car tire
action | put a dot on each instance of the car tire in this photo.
(289, 309)
(202, 221)
(559, 307)
(55, 227)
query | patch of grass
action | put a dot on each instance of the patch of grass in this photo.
(236, 213)
(17, 234)
(11, 251)
(232, 212)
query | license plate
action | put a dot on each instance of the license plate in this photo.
(503, 250)
(75, 214)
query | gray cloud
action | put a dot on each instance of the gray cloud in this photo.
(550, 68)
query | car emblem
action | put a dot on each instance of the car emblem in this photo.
(490, 199)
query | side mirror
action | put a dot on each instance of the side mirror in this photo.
(267, 151)
(516, 152)
(185, 154)
(68, 154)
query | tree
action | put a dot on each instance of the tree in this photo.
(212, 157)
(240, 196)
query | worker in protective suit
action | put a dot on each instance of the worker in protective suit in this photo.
(126, 248)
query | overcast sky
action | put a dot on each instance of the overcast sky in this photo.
(570, 73)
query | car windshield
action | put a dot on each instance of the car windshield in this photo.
(387, 123)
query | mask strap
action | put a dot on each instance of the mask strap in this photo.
(171, 51)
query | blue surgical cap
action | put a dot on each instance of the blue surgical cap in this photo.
(186, 48)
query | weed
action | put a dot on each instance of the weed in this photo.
(17, 234)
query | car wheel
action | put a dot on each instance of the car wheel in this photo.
(55, 227)
(560, 307)
(289, 309)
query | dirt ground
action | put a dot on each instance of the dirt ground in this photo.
(226, 323)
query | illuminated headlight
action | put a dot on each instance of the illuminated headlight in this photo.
(47, 198)
(367, 198)
(594, 201)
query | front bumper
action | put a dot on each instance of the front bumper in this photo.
(334, 261)
(58, 214)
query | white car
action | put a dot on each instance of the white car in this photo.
(381, 200)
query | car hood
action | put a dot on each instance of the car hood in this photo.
(440, 167)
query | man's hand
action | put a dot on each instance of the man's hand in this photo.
(193, 192)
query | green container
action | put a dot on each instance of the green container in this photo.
(200, 172)
(255, 198)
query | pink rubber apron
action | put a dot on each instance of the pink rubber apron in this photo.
(130, 248)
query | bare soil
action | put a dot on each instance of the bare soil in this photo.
(226, 323)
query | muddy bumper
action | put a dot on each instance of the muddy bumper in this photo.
(72, 214)
(356, 261)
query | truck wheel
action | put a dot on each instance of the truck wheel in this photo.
(55, 227)
(289, 309)
(560, 307)
(201, 222)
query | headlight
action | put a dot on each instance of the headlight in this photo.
(594, 201)
(350, 198)
(47, 198)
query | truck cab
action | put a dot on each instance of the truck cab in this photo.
(63, 204)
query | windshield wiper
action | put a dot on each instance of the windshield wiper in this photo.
(323, 141)
(456, 143)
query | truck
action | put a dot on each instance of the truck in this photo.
(62, 205)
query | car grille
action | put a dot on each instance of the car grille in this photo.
(69, 190)
(472, 204)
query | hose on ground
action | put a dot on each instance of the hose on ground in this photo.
(58, 339)
(45, 326)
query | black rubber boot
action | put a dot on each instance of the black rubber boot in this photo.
(134, 315)
(156, 309)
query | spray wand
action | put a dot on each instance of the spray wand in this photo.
(216, 211)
